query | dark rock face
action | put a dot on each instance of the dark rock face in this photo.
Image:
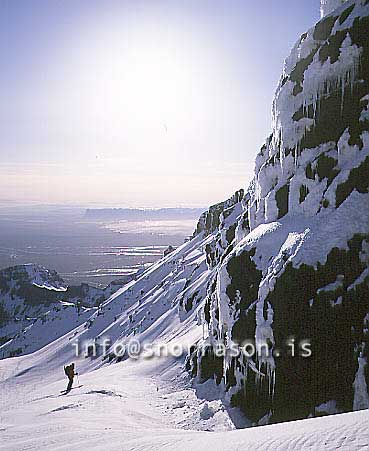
(168, 250)
(334, 321)
(210, 220)
(290, 260)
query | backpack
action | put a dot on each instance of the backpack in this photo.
(66, 368)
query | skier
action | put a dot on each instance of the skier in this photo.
(69, 371)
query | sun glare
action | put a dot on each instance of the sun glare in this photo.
(143, 93)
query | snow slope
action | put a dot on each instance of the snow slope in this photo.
(119, 408)
(36, 307)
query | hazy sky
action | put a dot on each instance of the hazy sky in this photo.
(138, 103)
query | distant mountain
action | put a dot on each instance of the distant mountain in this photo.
(134, 214)
(33, 300)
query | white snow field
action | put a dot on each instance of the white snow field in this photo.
(137, 405)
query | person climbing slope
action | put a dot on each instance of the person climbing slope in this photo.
(69, 371)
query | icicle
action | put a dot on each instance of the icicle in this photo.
(296, 153)
(361, 397)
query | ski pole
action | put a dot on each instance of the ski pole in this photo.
(78, 380)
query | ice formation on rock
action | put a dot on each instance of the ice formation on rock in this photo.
(307, 201)
(327, 6)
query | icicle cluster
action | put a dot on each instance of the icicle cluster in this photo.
(327, 6)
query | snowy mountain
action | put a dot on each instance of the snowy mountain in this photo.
(281, 266)
(36, 307)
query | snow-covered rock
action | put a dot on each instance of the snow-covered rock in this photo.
(327, 6)
(295, 268)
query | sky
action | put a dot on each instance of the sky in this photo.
(138, 103)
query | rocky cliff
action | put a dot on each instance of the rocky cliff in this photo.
(290, 261)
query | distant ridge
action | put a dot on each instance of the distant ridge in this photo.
(143, 214)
